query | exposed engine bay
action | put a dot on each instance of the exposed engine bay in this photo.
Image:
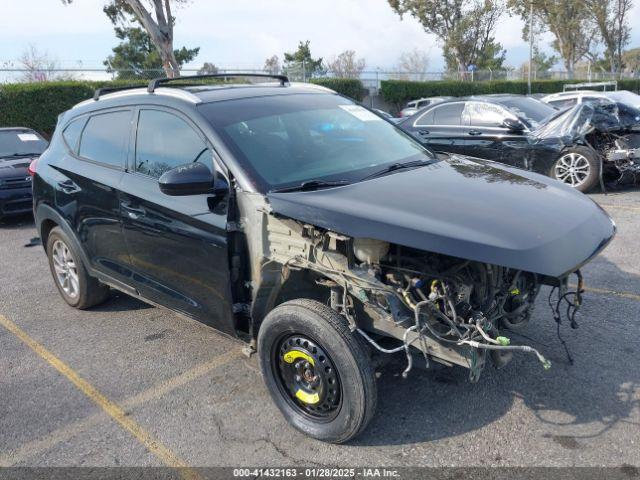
(617, 152)
(613, 131)
(400, 299)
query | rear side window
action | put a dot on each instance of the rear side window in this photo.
(106, 137)
(165, 141)
(72, 133)
(448, 114)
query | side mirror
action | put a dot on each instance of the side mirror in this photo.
(513, 125)
(190, 179)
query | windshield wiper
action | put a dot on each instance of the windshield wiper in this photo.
(311, 185)
(399, 166)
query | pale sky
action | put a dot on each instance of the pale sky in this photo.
(242, 33)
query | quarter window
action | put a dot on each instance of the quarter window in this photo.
(165, 141)
(105, 138)
(72, 133)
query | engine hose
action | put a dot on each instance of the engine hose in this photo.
(546, 364)
(406, 371)
(376, 345)
(485, 336)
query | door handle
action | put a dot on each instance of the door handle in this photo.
(67, 186)
(475, 132)
(133, 212)
(423, 132)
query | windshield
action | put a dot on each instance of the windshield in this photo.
(21, 142)
(532, 111)
(284, 140)
(624, 96)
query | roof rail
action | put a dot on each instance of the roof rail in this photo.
(577, 86)
(155, 83)
(101, 91)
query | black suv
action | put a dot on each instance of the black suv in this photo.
(308, 227)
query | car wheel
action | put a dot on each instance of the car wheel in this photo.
(577, 167)
(317, 371)
(76, 286)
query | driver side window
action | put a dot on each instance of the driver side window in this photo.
(165, 141)
(478, 114)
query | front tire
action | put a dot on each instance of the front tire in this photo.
(577, 167)
(76, 286)
(318, 373)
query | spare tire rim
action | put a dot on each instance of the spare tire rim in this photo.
(573, 169)
(307, 377)
(65, 269)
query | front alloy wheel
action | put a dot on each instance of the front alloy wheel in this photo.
(577, 167)
(573, 169)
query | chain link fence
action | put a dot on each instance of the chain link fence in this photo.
(370, 78)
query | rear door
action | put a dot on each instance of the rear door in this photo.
(440, 128)
(177, 245)
(87, 182)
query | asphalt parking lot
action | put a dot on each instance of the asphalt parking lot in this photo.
(126, 384)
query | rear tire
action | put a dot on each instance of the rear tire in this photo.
(577, 167)
(317, 371)
(77, 287)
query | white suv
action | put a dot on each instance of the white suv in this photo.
(569, 99)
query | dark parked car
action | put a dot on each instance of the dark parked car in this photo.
(526, 133)
(307, 226)
(18, 148)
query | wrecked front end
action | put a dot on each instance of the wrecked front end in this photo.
(409, 280)
(611, 129)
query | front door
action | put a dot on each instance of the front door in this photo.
(177, 245)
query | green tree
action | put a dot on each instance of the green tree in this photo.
(492, 56)
(611, 18)
(300, 65)
(569, 21)
(631, 59)
(157, 22)
(542, 62)
(466, 28)
(136, 55)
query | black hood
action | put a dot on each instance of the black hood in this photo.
(475, 210)
(11, 167)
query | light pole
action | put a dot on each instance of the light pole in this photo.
(530, 46)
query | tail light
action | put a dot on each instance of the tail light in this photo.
(32, 167)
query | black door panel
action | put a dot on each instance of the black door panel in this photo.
(87, 194)
(178, 250)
